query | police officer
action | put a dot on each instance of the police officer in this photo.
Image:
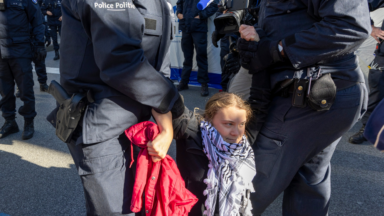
(16, 18)
(375, 75)
(52, 8)
(307, 48)
(47, 35)
(193, 24)
(115, 50)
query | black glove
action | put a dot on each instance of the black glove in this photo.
(216, 37)
(47, 42)
(259, 100)
(178, 108)
(40, 52)
(232, 63)
(258, 56)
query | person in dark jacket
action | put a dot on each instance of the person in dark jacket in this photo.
(16, 62)
(115, 50)
(47, 35)
(308, 49)
(194, 26)
(375, 75)
(52, 8)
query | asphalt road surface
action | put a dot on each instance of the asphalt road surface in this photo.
(38, 177)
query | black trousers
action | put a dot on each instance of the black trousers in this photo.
(376, 91)
(17, 70)
(189, 41)
(53, 32)
(41, 70)
(293, 152)
(105, 174)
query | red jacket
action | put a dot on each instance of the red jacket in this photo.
(165, 192)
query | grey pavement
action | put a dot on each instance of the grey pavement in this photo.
(38, 177)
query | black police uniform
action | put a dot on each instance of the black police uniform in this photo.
(47, 35)
(54, 6)
(115, 49)
(40, 67)
(295, 145)
(194, 37)
(16, 56)
(375, 81)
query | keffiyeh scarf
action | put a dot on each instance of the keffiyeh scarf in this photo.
(231, 170)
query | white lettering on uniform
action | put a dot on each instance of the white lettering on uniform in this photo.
(124, 5)
(103, 5)
(117, 5)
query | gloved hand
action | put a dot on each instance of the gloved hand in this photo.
(216, 37)
(40, 52)
(47, 42)
(178, 107)
(232, 63)
(257, 56)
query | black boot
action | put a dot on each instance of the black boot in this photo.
(182, 86)
(17, 92)
(43, 87)
(57, 56)
(358, 137)
(28, 129)
(9, 127)
(204, 90)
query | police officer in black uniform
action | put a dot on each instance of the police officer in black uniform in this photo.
(16, 19)
(115, 51)
(307, 49)
(40, 68)
(52, 8)
(375, 75)
(194, 25)
(47, 35)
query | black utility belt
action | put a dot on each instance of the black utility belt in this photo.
(319, 94)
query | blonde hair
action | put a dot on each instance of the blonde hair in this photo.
(223, 100)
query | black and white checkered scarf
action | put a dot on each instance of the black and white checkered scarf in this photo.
(231, 170)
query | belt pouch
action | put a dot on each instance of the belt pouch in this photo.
(322, 94)
(300, 88)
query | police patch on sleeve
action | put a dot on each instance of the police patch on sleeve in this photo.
(34, 1)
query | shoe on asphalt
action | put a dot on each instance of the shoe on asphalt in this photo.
(182, 86)
(358, 137)
(17, 92)
(28, 129)
(204, 90)
(9, 127)
(43, 87)
(57, 55)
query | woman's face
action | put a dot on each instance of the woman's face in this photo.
(230, 123)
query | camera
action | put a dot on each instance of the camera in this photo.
(238, 12)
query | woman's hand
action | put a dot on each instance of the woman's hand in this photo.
(49, 13)
(158, 148)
